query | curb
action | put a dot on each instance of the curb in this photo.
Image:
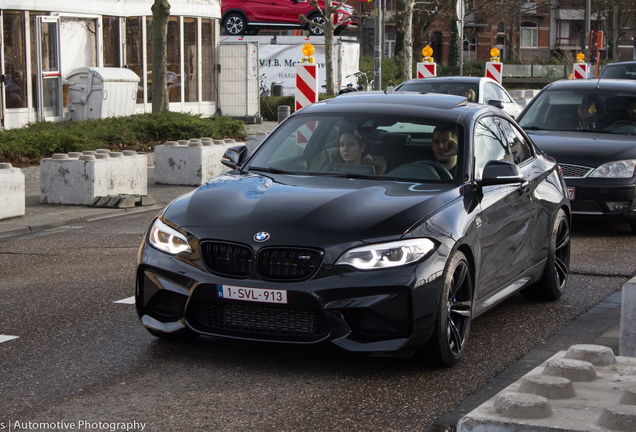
(7, 235)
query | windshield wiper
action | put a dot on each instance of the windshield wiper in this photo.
(533, 128)
(269, 170)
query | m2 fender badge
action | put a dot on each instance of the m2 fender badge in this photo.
(261, 236)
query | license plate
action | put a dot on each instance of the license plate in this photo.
(252, 294)
(571, 193)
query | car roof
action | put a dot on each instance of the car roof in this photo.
(440, 106)
(591, 84)
(458, 79)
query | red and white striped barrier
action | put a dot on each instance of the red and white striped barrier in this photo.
(494, 71)
(306, 85)
(426, 70)
(305, 132)
(580, 71)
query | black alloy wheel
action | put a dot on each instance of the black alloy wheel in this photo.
(235, 24)
(557, 267)
(452, 326)
(314, 29)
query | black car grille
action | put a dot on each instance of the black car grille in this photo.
(585, 207)
(228, 259)
(259, 321)
(287, 264)
(575, 171)
(275, 264)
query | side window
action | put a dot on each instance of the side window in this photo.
(295, 144)
(489, 93)
(490, 144)
(501, 94)
(519, 146)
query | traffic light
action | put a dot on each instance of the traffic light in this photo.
(593, 51)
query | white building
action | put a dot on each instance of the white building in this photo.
(42, 41)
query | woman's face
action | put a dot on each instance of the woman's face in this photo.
(350, 149)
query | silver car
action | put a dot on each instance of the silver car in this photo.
(476, 89)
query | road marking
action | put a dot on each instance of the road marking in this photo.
(129, 300)
(5, 338)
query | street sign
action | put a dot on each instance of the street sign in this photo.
(494, 71)
(426, 70)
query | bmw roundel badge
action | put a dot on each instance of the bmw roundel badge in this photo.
(261, 236)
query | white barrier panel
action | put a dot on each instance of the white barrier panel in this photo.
(12, 195)
(191, 164)
(494, 71)
(306, 85)
(77, 178)
(426, 70)
(580, 71)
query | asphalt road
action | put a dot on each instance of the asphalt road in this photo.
(82, 357)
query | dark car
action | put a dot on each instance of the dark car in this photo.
(396, 253)
(589, 127)
(476, 89)
(623, 70)
(249, 17)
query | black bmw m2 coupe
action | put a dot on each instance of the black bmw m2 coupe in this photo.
(373, 221)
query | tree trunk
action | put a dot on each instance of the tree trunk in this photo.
(615, 31)
(160, 14)
(408, 39)
(329, 28)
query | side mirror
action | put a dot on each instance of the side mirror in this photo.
(234, 157)
(496, 103)
(500, 172)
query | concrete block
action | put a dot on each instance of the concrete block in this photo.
(12, 192)
(627, 343)
(253, 141)
(539, 401)
(66, 180)
(192, 164)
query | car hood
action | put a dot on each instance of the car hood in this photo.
(307, 205)
(584, 148)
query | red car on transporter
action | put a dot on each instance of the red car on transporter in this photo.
(249, 16)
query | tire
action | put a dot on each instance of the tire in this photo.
(454, 313)
(314, 30)
(235, 24)
(632, 226)
(180, 336)
(555, 276)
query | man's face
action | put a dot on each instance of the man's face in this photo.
(631, 111)
(444, 146)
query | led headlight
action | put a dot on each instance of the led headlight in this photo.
(618, 169)
(385, 255)
(167, 239)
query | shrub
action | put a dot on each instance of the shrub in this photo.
(140, 132)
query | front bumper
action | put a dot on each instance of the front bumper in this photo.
(385, 310)
(597, 197)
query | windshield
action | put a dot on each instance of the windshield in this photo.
(469, 91)
(597, 111)
(619, 71)
(364, 146)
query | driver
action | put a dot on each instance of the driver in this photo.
(445, 148)
(631, 111)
